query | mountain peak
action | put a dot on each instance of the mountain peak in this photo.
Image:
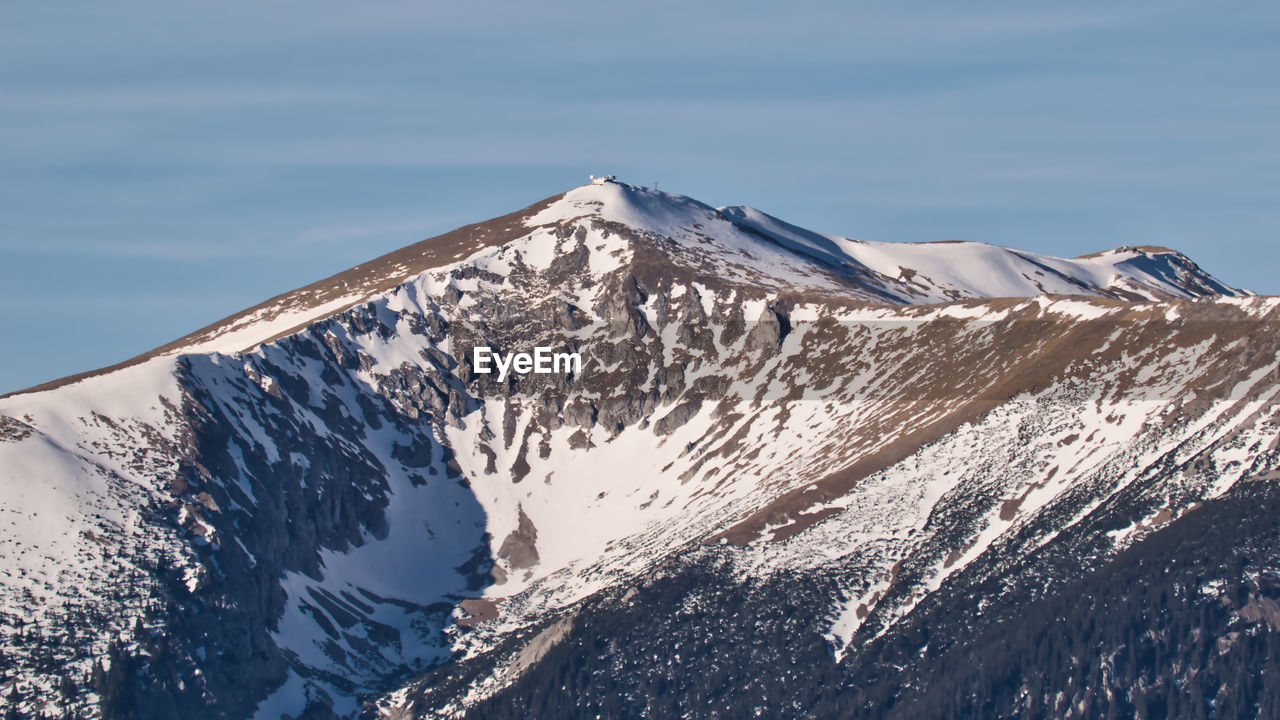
(638, 207)
(738, 244)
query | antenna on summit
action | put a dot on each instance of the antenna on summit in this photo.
(602, 179)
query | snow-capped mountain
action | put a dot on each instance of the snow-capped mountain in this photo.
(323, 505)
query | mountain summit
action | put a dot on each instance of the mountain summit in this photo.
(736, 242)
(781, 449)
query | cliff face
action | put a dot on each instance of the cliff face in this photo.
(319, 505)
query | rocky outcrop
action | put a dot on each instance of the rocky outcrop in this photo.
(520, 548)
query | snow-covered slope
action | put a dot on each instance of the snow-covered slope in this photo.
(320, 499)
(951, 270)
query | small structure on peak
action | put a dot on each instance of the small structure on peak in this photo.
(602, 179)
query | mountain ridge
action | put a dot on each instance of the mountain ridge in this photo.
(341, 290)
(350, 518)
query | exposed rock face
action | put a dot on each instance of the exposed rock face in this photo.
(769, 331)
(350, 518)
(520, 548)
(679, 415)
(13, 430)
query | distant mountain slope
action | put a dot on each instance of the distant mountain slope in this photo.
(893, 272)
(952, 270)
(321, 505)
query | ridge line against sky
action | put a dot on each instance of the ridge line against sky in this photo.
(164, 167)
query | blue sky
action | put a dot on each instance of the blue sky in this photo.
(162, 167)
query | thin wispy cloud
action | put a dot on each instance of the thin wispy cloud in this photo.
(329, 235)
(198, 98)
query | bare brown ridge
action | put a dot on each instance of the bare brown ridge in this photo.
(364, 280)
(1060, 344)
